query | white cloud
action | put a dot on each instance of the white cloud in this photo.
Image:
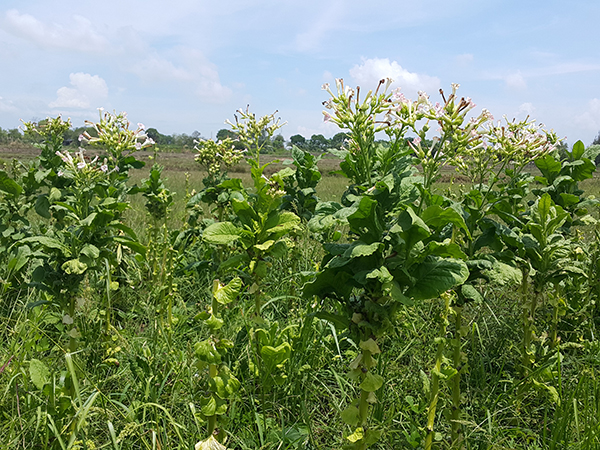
(371, 71)
(79, 34)
(465, 59)
(327, 76)
(6, 105)
(192, 71)
(156, 68)
(525, 109)
(590, 118)
(87, 91)
(515, 81)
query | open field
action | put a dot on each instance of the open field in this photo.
(135, 373)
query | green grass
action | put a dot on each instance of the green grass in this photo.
(138, 386)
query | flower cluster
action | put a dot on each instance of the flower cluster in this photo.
(254, 133)
(217, 156)
(81, 167)
(114, 133)
(348, 111)
(50, 128)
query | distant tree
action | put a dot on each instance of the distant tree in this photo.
(278, 143)
(318, 143)
(196, 134)
(338, 140)
(223, 134)
(596, 140)
(14, 135)
(153, 134)
(298, 140)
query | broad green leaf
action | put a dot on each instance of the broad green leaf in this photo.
(366, 219)
(372, 382)
(213, 322)
(470, 293)
(543, 207)
(207, 352)
(265, 245)
(221, 233)
(274, 356)
(88, 220)
(42, 206)
(210, 407)
(329, 281)
(393, 290)
(133, 245)
(504, 274)
(228, 293)
(281, 224)
(74, 267)
(370, 345)
(38, 373)
(48, 242)
(234, 261)
(339, 322)
(578, 150)
(372, 436)
(437, 217)
(9, 185)
(224, 384)
(437, 275)
(17, 262)
(549, 167)
(350, 415)
(359, 248)
(592, 152)
(91, 251)
(567, 200)
(583, 169)
(381, 274)
(413, 228)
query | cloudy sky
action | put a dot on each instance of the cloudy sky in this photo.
(187, 65)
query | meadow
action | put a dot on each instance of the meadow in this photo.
(429, 294)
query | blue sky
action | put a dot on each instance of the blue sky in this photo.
(187, 65)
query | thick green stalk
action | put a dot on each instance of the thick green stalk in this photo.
(435, 374)
(456, 433)
(528, 306)
(73, 328)
(212, 420)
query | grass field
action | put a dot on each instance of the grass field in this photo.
(136, 383)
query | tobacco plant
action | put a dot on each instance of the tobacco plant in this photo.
(211, 353)
(259, 230)
(84, 205)
(390, 259)
(300, 184)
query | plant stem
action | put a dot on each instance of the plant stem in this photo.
(456, 433)
(212, 420)
(435, 374)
